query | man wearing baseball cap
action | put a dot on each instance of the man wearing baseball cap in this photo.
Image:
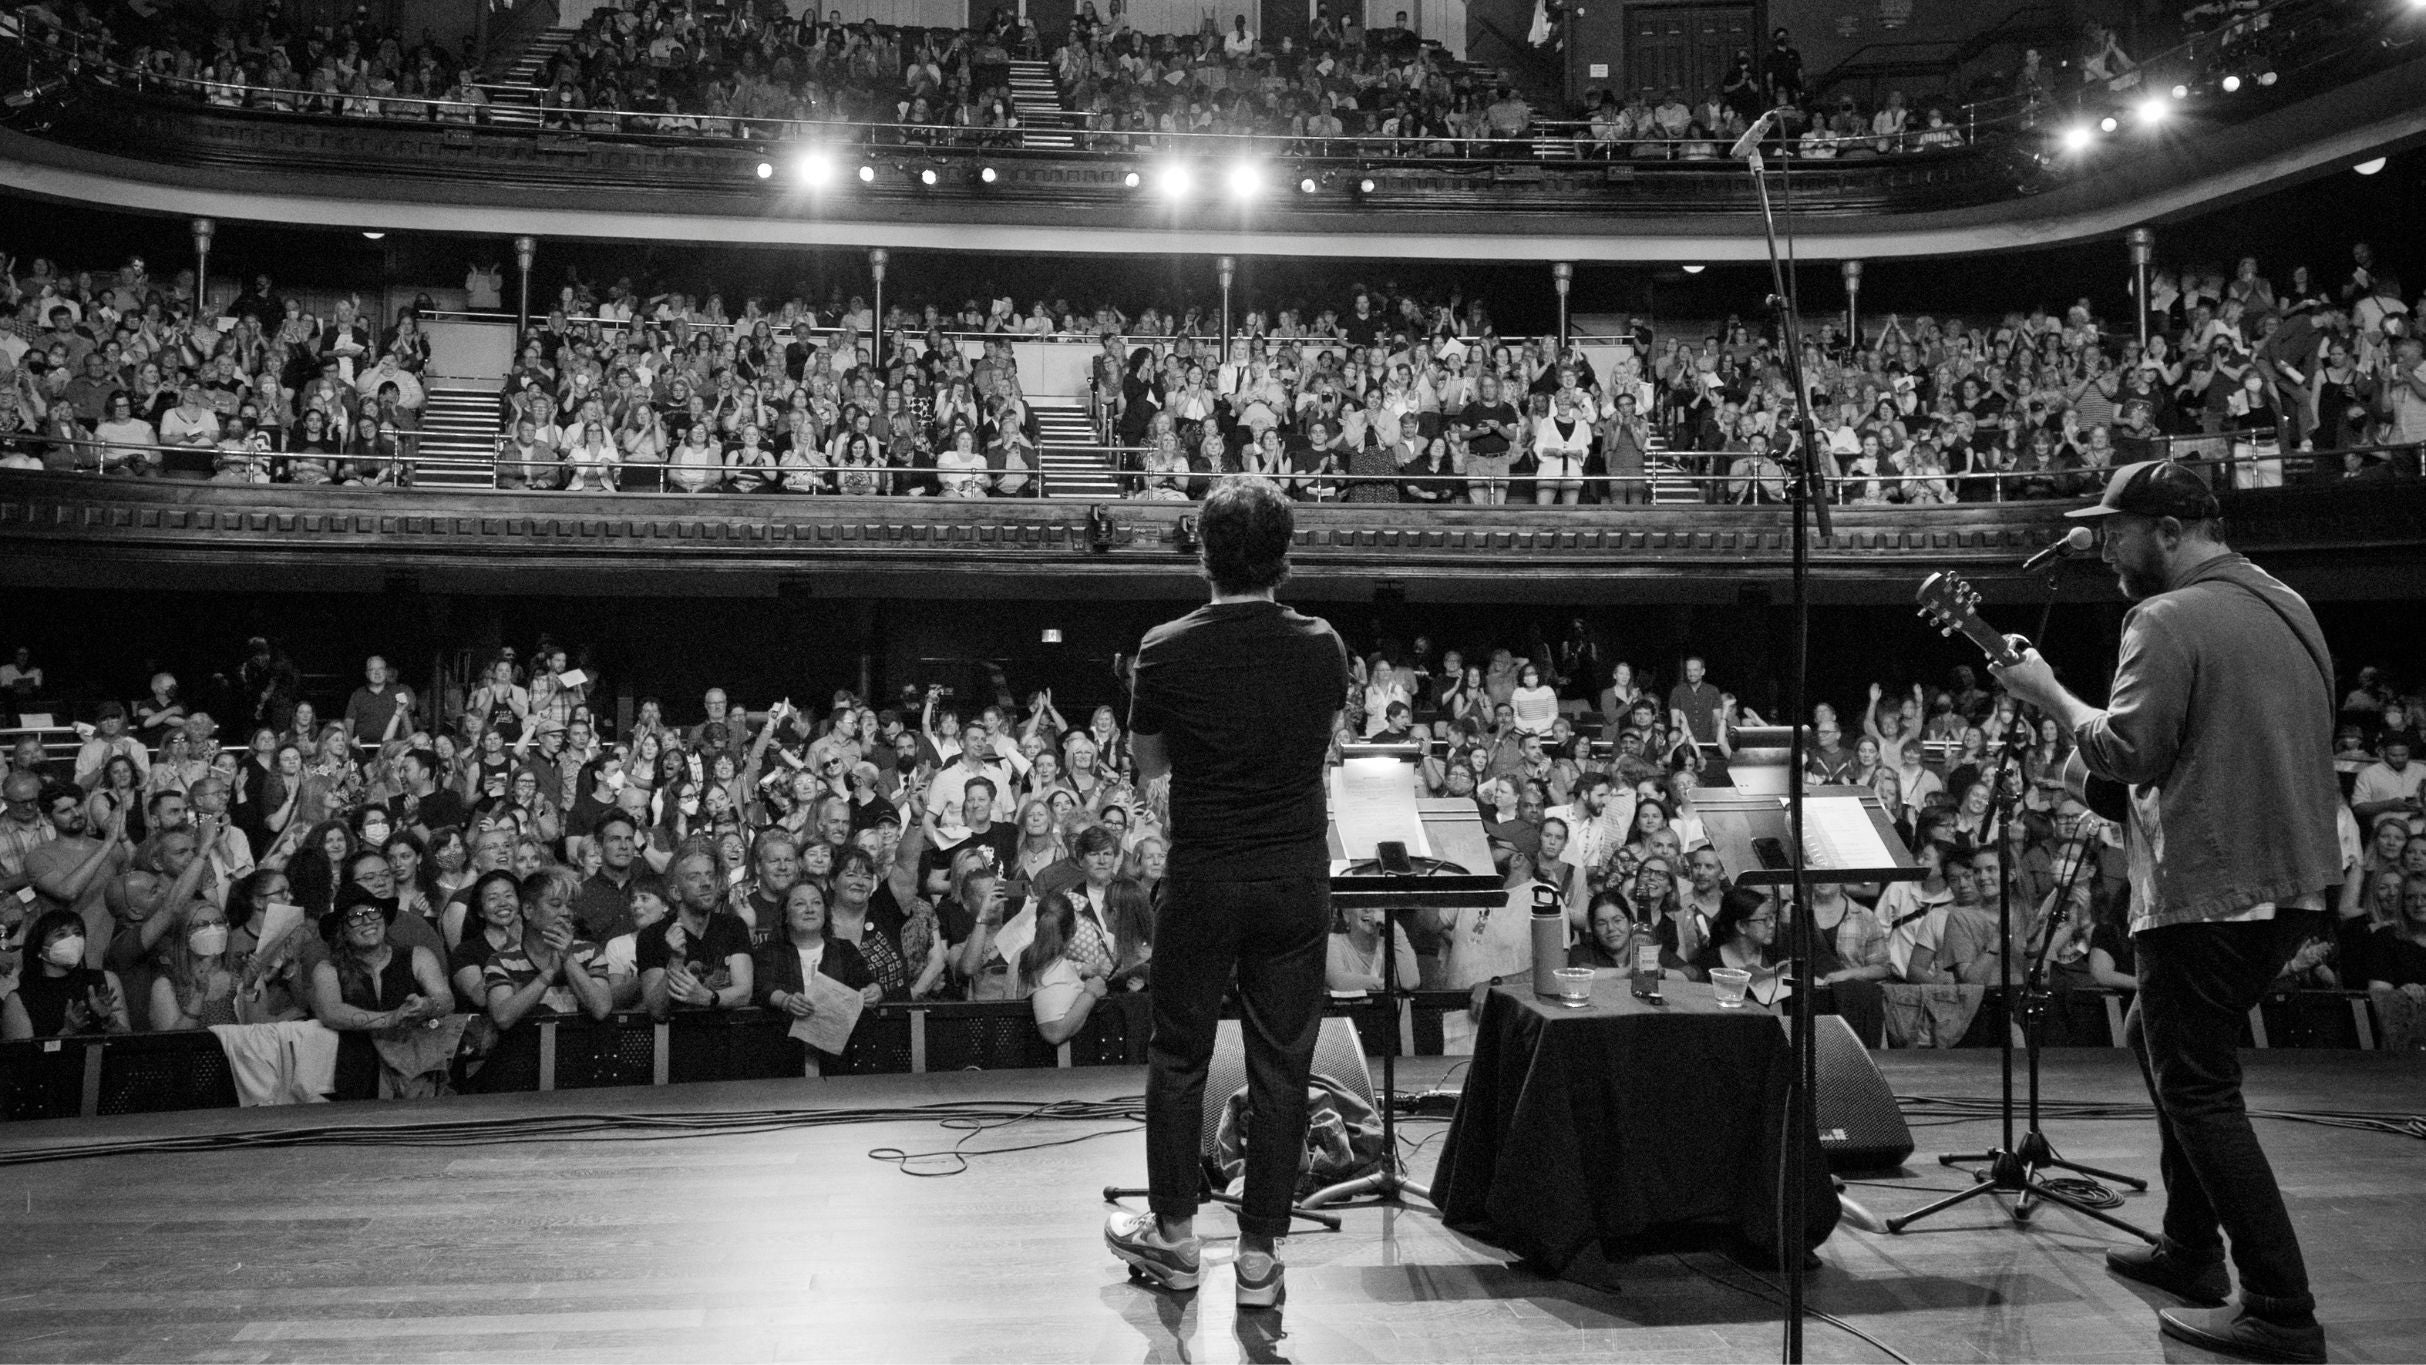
(2220, 721)
(108, 740)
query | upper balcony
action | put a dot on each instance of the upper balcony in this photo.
(2345, 77)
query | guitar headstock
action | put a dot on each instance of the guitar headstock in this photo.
(1951, 604)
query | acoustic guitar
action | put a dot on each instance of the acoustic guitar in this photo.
(1953, 606)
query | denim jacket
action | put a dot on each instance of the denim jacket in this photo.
(2221, 722)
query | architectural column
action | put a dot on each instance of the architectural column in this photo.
(877, 259)
(1562, 278)
(526, 251)
(1227, 268)
(2143, 251)
(204, 230)
(1853, 303)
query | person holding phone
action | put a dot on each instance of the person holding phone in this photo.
(1233, 706)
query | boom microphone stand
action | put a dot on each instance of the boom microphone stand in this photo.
(2012, 1168)
(1807, 497)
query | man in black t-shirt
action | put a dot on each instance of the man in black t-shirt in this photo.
(425, 807)
(977, 814)
(1234, 705)
(699, 956)
(1489, 424)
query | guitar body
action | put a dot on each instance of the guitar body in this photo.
(2106, 798)
(1953, 605)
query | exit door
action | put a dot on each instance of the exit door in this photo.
(1685, 47)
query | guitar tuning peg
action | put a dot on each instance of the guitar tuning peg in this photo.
(1947, 631)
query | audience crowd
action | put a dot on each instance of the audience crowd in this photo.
(1378, 395)
(396, 868)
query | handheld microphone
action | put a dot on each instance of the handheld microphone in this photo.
(2075, 541)
(1750, 143)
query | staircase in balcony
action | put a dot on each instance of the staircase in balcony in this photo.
(1075, 464)
(515, 98)
(1045, 118)
(458, 446)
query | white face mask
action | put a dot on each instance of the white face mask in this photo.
(65, 953)
(208, 940)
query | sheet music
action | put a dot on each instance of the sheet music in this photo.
(1373, 800)
(1837, 833)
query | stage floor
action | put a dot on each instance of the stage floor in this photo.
(797, 1246)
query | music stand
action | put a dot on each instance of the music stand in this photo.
(1444, 839)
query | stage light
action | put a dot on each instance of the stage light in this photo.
(766, 170)
(1132, 180)
(2371, 167)
(2108, 124)
(2077, 138)
(867, 174)
(1174, 179)
(1365, 185)
(1246, 181)
(1695, 269)
(2232, 84)
(2266, 78)
(1306, 184)
(2181, 92)
(927, 176)
(987, 174)
(2154, 108)
(374, 236)
(815, 169)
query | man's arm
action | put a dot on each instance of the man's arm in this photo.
(2137, 736)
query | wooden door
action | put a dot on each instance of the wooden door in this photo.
(1687, 47)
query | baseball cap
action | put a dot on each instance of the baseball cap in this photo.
(2155, 488)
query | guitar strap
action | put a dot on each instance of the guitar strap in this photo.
(2323, 663)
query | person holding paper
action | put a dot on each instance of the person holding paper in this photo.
(1234, 705)
(800, 971)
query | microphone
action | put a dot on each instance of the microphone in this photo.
(2075, 541)
(1750, 143)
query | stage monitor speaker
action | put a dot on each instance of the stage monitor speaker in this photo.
(1337, 1054)
(1860, 1126)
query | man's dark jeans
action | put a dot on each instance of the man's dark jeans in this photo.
(1273, 933)
(2198, 983)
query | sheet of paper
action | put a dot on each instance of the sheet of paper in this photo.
(275, 921)
(1373, 800)
(573, 678)
(828, 1028)
(1837, 833)
(36, 720)
(1016, 934)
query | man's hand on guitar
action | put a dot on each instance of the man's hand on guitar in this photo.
(2032, 680)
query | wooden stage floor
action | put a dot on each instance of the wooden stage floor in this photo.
(796, 1245)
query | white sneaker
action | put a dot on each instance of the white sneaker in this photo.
(1261, 1282)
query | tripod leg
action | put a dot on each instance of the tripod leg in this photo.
(1965, 1158)
(2059, 1197)
(1902, 1221)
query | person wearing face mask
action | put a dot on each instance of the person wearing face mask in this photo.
(58, 994)
(197, 984)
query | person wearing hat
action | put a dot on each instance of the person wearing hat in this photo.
(369, 984)
(109, 740)
(2224, 688)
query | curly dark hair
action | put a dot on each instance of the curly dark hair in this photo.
(1244, 533)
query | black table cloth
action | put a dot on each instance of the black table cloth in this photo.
(1624, 1123)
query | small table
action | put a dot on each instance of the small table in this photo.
(1624, 1123)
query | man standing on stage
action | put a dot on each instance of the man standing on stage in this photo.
(1235, 704)
(2220, 719)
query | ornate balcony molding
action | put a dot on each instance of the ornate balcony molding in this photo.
(51, 526)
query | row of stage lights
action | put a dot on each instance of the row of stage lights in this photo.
(1175, 180)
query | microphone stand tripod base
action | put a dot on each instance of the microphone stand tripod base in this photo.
(2013, 1173)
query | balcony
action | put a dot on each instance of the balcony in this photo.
(63, 529)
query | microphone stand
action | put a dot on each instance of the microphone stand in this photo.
(1807, 497)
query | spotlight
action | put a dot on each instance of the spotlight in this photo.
(927, 176)
(2266, 78)
(2232, 84)
(815, 169)
(987, 175)
(2153, 109)
(1245, 180)
(1174, 179)
(867, 174)
(374, 236)
(2077, 138)
(2181, 92)
(1306, 185)
(1365, 185)
(2371, 167)
(1695, 269)
(1132, 180)
(766, 170)
(2108, 124)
